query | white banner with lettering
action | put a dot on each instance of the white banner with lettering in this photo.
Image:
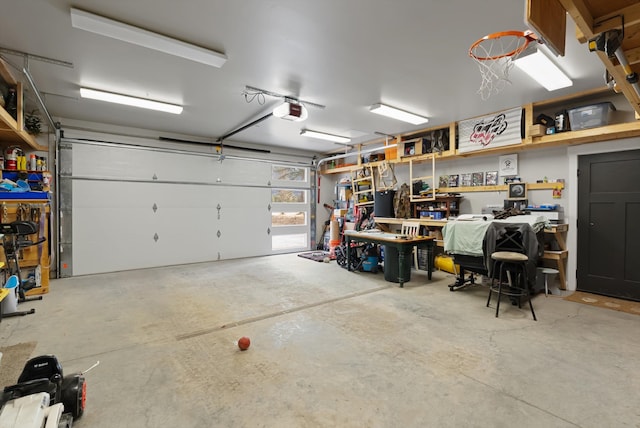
(497, 130)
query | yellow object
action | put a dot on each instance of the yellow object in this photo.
(446, 264)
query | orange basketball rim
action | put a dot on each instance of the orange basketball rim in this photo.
(501, 44)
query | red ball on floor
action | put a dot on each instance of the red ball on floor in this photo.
(243, 343)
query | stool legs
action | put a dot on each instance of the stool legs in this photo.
(546, 283)
(499, 270)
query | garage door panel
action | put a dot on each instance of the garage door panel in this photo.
(245, 222)
(238, 171)
(105, 238)
(125, 226)
(136, 164)
(140, 207)
(124, 163)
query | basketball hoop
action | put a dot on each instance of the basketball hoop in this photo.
(494, 55)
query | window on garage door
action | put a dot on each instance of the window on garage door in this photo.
(290, 208)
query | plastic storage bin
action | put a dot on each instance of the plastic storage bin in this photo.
(590, 116)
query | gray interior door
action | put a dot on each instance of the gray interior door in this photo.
(608, 258)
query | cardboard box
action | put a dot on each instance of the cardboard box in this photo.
(337, 213)
(349, 226)
(537, 130)
(411, 147)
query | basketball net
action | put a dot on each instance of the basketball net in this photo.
(494, 55)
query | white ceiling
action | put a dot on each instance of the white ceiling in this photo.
(344, 54)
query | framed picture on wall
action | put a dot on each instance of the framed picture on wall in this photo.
(444, 181)
(517, 191)
(491, 178)
(477, 179)
(465, 179)
(453, 180)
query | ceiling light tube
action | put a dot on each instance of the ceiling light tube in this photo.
(128, 33)
(540, 68)
(130, 101)
(398, 114)
(325, 136)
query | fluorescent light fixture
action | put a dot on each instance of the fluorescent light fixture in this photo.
(540, 68)
(324, 136)
(398, 114)
(294, 112)
(130, 101)
(128, 33)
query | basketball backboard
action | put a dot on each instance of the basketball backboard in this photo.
(548, 19)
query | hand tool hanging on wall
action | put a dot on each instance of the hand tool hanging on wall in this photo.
(22, 212)
(34, 213)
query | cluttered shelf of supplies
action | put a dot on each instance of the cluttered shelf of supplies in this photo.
(24, 198)
(34, 261)
(593, 121)
(12, 115)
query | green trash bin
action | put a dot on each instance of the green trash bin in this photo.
(392, 266)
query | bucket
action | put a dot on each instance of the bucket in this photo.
(445, 263)
(10, 303)
(333, 243)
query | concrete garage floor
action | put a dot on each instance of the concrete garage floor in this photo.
(330, 348)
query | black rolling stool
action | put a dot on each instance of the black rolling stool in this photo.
(512, 266)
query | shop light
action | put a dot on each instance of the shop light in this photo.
(398, 114)
(325, 136)
(540, 68)
(128, 33)
(110, 97)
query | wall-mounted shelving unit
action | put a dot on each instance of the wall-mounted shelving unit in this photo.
(12, 130)
(584, 136)
(363, 187)
(500, 188)
(428, 194)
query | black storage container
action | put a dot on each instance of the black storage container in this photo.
(392, 267)
(383, 204)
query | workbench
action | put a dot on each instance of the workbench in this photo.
(396, 240)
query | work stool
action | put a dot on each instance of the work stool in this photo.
(512, 267)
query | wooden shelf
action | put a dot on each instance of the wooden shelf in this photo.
(500, 188)
(11, 130)
(558, 257)
(584, 136)
(590, 21)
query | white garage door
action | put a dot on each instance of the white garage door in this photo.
(127, 207)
